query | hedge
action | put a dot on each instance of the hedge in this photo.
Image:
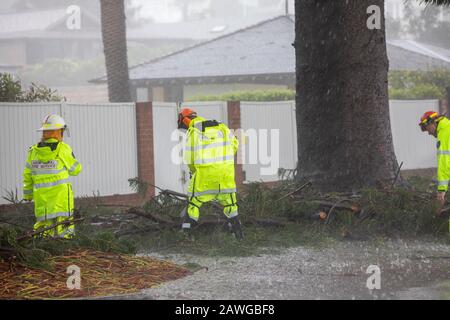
(404, 85)
(418, 84)
(257, 95)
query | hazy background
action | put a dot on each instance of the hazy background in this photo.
(36, 46)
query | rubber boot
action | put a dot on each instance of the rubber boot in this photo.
(187, 224)
(235, 227)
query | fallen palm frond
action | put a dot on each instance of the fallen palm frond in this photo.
(36, 252)
(101, 274)
(393, 211)
(408, 210)
(265, 211)
(32, 234)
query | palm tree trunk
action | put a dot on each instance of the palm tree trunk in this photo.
(115, 48)
(344, 133)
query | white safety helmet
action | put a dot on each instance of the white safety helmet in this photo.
(53, 122)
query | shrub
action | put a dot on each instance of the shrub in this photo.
(418, 84)
(11, 91)
(73, 72)
(404, 85)
(64, 72)
(422, 91)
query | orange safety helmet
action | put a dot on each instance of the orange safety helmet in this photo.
(184, 118)
(427, 118)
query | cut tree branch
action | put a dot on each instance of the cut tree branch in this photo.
(35, 233)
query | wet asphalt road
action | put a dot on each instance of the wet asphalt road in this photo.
(408, 270)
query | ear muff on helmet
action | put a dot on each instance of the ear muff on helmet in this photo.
(426, 122)
(427, 119)
(184, 119)
(181, 125)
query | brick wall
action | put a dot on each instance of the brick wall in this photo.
(145, 152)
(145, 157)
(234, 122)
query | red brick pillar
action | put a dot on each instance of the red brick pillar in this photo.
(145, 152)
(234, 123)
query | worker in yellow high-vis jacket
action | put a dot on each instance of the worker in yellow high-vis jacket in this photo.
(439, 127)
(209, 154)
(46, 179)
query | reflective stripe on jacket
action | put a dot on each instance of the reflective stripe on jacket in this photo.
(443, 154)
(46, 179)
(209, 153)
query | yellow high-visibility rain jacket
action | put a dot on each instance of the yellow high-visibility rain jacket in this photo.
(443, 154)
(209, 154)
(46, 179)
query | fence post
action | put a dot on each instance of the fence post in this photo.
(62, 109)
(444, 103)
(448, 100)
(145, 150)
(234, 123)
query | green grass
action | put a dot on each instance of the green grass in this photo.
(404, 212)
(447, 288)
(399, 213)
(219, 242)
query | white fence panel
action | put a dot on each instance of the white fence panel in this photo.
(267, 116)
(103, 137)
(18, 124)
(169, 173)
(214, 110)
(417, 150)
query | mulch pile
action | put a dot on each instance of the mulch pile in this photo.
(102, 274)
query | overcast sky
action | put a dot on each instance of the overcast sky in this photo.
(166, 11)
